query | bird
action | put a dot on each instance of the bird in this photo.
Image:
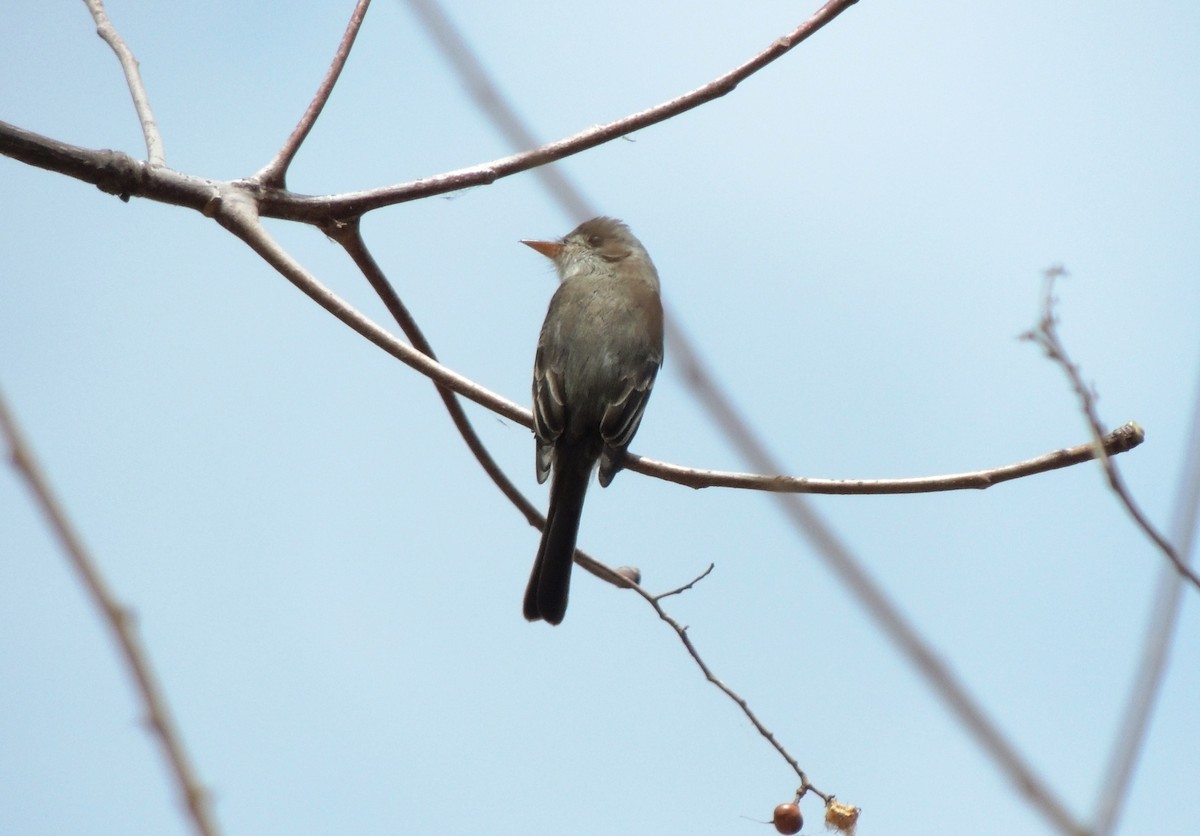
(599, 351)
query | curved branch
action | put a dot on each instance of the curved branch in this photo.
(315, 209)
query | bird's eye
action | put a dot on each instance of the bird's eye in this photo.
(594, 240)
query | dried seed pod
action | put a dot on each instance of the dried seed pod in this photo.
(841, 817)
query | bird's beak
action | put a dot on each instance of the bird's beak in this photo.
(550, 249)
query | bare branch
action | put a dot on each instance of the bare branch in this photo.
(1045, 335)
(121, 623)
(1120, 440)
(133, 78)
(279, 204)
(274, 173)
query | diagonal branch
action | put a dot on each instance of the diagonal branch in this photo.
(121, 624)
(933, 668)
(133, 78)
(349, 236)
(492, 101)
(274, 173)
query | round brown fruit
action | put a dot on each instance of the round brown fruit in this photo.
(787, 819)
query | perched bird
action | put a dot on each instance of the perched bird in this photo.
(600, 349)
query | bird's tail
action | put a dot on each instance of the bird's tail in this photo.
(550, 581)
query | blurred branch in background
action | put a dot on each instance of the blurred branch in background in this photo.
(122, 625)
(1156, 647)
(1164, 615)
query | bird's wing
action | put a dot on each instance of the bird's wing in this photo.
(549, 412)
(621, 420)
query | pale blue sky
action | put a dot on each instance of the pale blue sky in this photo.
(330, 587)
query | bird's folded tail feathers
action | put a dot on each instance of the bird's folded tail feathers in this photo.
(550, 582)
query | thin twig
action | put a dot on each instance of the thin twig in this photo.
(1143, 694)
(121, 623)
(133, 78)
(738, 699)
(274, 173)
(687, 585)
(1045, 335)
